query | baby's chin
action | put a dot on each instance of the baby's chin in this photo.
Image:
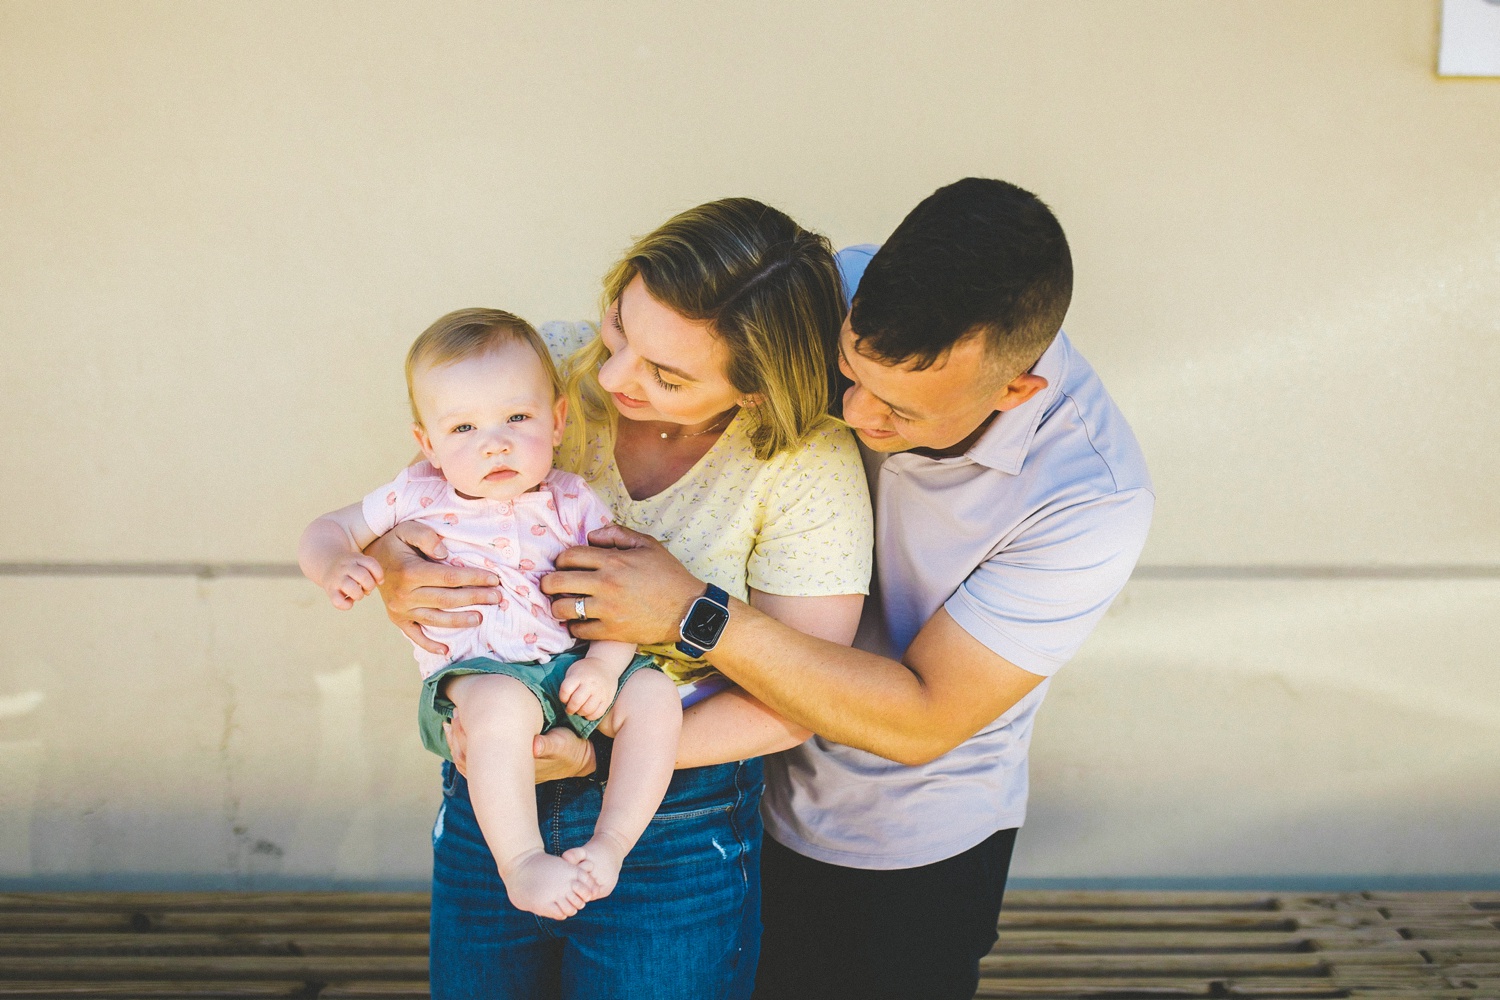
(504, 489)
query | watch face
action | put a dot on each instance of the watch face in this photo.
(704, 623)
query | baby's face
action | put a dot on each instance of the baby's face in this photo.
(489, 422)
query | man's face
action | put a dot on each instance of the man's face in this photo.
(897, 408)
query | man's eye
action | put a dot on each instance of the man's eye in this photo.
(463, 428)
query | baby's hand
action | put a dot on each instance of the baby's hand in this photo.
(589, 688)
(350, 578)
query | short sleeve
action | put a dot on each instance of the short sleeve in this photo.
(1037, 600)
(564, 339)
(817, 538)
(401, 498)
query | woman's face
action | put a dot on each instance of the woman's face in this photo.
(662, 365)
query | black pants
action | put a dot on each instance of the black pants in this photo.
(906, 934)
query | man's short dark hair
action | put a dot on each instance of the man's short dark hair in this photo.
(979, 256)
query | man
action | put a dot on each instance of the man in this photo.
(1011, 503)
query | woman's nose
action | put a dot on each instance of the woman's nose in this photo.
(614, 374)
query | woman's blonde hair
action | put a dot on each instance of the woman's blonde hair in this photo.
(470, 333)
(770, 291)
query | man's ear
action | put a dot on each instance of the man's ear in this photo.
(1018, 390)
(559, 419)
(425, 444)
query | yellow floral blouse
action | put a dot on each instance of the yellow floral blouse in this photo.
(796, 525)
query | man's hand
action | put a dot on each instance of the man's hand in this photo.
(420, 590)
(589, 687)
(560, 753)
(634, 589)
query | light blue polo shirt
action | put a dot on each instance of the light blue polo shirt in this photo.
(1025, 540)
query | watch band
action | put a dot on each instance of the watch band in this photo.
(604, 749)
(713, 595)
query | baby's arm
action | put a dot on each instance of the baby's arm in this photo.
(330, 556)
(593, 679)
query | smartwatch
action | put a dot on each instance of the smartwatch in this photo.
(704, 623)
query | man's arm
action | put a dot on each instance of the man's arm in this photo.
(952, 681)
(948, 688)
(418, 590)
(733, 725)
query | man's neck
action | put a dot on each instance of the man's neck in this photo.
(954, 450)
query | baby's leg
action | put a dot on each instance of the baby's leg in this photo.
(500, 717)
(645, 721)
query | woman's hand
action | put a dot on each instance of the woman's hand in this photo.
(419, 589)
(634, 590)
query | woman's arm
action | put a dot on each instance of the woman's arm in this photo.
(733, 725)
(736, 725)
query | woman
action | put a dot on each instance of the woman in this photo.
(700, 417)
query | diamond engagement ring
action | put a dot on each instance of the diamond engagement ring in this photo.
(578, 612)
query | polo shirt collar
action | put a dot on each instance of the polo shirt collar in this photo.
(1004, 445)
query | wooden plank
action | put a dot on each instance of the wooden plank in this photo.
(376, 990)
(176, 990)
(211, 921)
(1206, 920)
(1110, 899)
(320, 968)
(1093, 966)
(1093, 989)
(212, 944)
(1016, 942)
(1267, 986)
(127, 901)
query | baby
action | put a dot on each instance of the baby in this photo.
(488, 411)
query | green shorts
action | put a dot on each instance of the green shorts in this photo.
(543, 679)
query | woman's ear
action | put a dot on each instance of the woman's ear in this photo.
(752, 399)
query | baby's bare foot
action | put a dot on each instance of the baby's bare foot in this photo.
(601, 857)
(548, 886)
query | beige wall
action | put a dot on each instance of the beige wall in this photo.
(223, 223)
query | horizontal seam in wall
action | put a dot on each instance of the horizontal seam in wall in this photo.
(210, 571)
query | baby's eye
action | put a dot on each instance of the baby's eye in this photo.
(463, 428)
(516, 418)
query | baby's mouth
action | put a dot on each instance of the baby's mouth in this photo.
(496, 475)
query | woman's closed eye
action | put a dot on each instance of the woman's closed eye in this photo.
(656, 374)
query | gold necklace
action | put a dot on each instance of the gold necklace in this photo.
(707, 430)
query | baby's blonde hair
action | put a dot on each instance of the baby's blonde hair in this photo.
(472, 333)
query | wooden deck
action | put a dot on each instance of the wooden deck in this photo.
(1119, 945)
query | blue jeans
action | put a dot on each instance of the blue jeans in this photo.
(683, 922)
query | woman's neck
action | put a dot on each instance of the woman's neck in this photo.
(650, 463)
(672, 431)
